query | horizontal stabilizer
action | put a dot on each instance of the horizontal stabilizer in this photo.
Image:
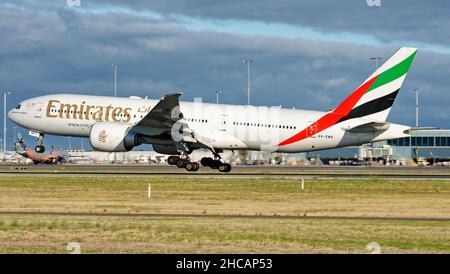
(370, 127)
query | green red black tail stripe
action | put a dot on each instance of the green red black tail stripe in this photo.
(385, 82)
(371, 107)
(332, 118)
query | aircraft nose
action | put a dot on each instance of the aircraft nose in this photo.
(12, 116)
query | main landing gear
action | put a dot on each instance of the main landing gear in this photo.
(215, 164)
(194, 166)
(183, 163)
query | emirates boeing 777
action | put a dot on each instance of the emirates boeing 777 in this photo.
(177, 128)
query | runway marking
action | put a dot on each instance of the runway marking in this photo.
(191, 215)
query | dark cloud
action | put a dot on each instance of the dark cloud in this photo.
(425, 21)
(53, 48)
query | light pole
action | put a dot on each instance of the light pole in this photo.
(4, 122)
(248, 61)
(14, 133)
(218, 92)
(115, 78)
(115, 95)
(417, 105)
(376, 59)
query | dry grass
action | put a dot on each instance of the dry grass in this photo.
(50, 234)
(43, 233)
(228, 196)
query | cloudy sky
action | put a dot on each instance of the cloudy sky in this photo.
(307, 54)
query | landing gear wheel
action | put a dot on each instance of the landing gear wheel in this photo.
(206, 161)
(39, 149)
(192, 166)
(172, 160)
(181, 163)
(224, 167)
(215, 164)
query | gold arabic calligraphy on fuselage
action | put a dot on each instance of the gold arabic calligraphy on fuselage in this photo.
(57, 109)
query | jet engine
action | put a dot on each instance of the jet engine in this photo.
(113, 137)
(164, 149)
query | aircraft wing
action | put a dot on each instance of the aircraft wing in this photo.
(166, 118)
(162, 117)
(369, 127)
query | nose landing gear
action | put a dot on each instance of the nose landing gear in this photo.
(40, 148)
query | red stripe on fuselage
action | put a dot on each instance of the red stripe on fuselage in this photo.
(331, 118)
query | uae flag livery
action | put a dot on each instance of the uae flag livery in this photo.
(372, 100)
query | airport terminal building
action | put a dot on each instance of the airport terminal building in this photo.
(427, 143)
(432, 144)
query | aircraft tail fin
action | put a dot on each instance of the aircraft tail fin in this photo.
(373, 99)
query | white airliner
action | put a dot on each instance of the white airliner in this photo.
(177, 128)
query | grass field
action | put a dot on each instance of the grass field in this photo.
(357, 198)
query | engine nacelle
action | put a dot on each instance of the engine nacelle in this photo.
(113, 137)
(163, 149)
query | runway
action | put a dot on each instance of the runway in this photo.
(255, 172)
(290, 168)
(234, 176)
(178, 215)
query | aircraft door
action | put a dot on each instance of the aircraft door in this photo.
(38, 108)
(223, 122)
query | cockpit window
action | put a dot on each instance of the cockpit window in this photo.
(18, 106)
